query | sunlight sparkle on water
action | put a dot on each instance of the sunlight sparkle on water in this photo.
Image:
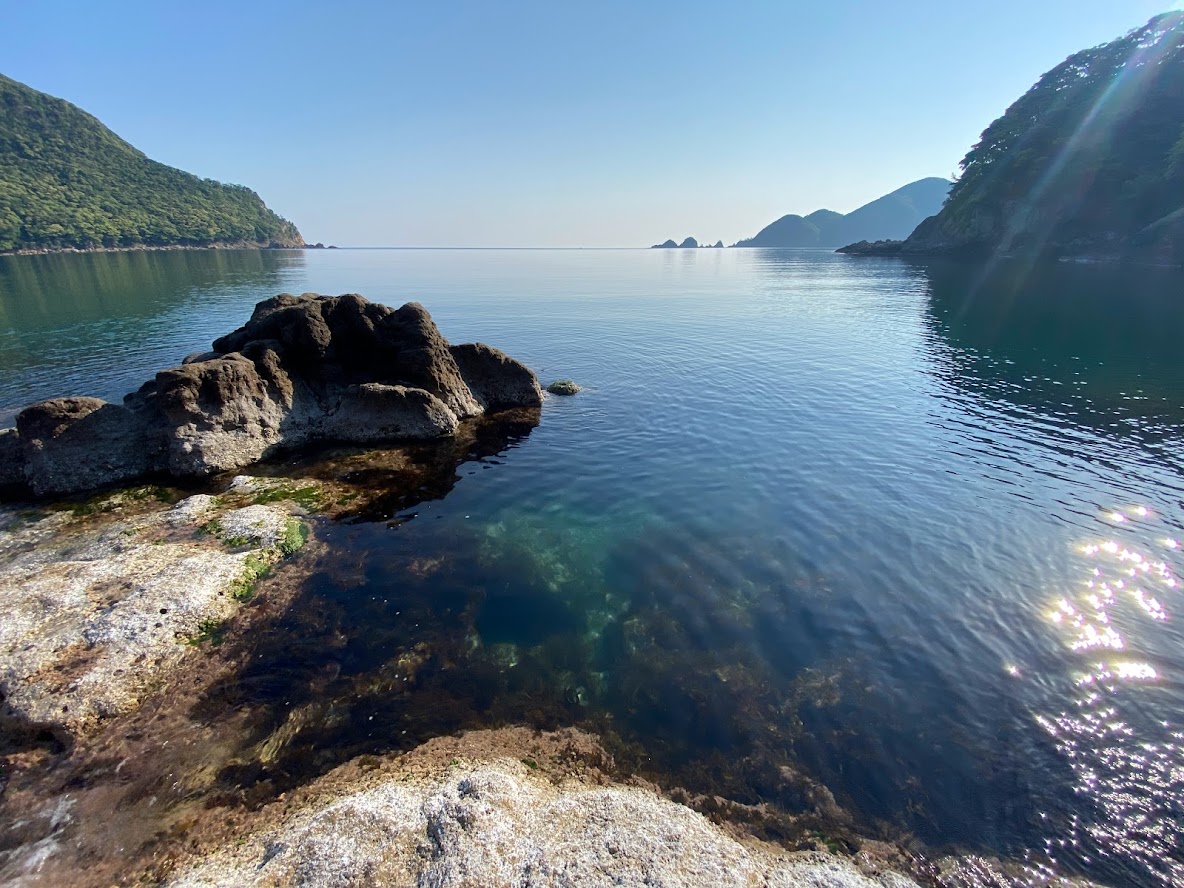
(1131, 772)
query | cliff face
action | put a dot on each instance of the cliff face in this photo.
(68, 182)
(1088, 163)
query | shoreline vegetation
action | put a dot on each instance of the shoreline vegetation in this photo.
(138, 248)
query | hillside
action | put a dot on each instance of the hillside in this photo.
(1089, 163)
(66, 181)
(894, 215)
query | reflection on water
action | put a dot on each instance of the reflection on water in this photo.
(890, 547)
(101, 323)
(1057, 350)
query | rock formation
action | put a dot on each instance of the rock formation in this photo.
(304, 369)
(689, 244)
(500, 823)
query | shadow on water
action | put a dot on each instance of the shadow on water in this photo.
(1093, 345)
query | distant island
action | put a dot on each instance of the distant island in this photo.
(1087, 165)
(67, 182)
(689, 244)
(894, 215)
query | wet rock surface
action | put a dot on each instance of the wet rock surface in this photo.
(304, 369)
(104, 602)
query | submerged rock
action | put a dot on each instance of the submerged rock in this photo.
(502, 823)
(304, 369)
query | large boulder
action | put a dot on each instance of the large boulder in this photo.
(303, 369)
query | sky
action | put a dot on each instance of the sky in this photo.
(551, 123)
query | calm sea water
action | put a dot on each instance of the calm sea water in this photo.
(908, 530)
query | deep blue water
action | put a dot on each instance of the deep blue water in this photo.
(905, 529)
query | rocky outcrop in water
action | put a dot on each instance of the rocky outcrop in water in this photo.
(304, 369)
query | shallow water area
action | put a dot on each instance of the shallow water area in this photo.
(911, 532)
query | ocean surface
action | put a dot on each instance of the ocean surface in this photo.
(903, 530)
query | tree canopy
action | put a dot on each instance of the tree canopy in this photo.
(66, 181)
(1091, 158)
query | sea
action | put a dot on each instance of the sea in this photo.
(907, 535)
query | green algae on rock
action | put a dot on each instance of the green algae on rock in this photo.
(100, 601)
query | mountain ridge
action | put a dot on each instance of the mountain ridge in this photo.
(894, 215)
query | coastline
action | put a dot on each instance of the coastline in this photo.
(137, 248)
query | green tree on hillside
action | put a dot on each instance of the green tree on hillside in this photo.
(1090, 156)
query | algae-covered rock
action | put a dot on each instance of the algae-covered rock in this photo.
(563, 387)
(103, 603)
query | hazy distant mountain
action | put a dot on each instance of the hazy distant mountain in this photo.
(68, 182)
(891, 217)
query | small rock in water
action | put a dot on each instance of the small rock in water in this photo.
(563, 387)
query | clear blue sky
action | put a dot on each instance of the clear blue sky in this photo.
(551, 123)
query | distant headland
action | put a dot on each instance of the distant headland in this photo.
(1087, 165)
(67, 182)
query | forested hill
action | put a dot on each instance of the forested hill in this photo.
(1088, 163)
(66, 181)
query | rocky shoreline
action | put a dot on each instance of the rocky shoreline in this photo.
(126, 611)
(126, 673)
(141, 248)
